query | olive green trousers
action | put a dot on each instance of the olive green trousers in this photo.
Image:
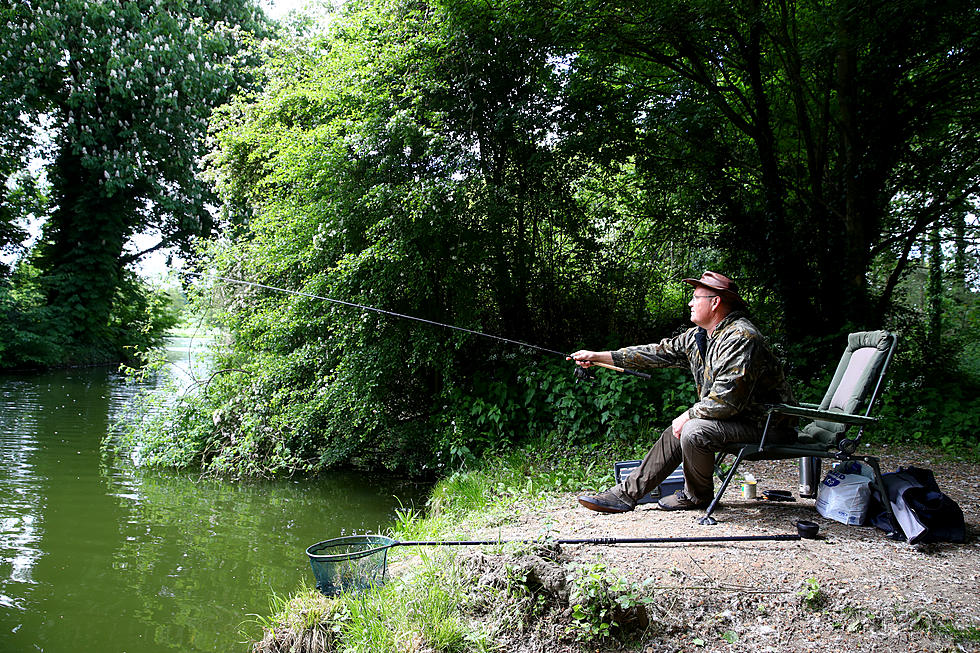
(700, 440)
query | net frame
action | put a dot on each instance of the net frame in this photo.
(352, 563)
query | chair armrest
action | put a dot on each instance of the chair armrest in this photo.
(825, 415)
(806, 405)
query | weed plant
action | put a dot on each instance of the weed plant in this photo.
(943, 625)
(812, 595)
(599, 602)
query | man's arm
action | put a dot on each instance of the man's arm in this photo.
(669, 352)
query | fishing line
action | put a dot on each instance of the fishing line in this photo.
(377, 310)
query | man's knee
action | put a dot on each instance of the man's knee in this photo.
(697, 433)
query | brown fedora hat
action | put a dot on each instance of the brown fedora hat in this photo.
(720, 284)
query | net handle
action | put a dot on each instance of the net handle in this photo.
(387, 543)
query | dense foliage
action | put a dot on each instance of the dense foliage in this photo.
(547, 172)
(103, 109)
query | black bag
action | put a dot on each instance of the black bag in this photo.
(923, 512)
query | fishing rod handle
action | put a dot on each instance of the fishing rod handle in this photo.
(642, 375)
(682, 539)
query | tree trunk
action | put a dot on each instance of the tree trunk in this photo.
(935, 297)
(81, 257)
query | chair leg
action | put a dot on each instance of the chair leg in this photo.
(718, 460)
(708, 520)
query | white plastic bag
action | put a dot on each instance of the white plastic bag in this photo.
(843, 495)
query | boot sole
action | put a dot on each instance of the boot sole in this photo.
(598, 507)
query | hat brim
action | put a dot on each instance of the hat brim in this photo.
(734, 296)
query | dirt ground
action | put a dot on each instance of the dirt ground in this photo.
(875, 594)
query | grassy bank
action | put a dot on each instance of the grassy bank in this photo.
(446, 599)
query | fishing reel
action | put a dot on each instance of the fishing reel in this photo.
(847, 448)
(586, 374)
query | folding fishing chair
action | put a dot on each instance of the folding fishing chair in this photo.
(856, 383)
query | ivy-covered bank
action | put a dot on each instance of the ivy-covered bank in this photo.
(787, 596)
(265, 417)
(270, 416)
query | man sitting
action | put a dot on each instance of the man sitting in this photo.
(736, 375)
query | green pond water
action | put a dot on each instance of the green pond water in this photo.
(96, 555)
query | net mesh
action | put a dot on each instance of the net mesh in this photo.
(346, 564)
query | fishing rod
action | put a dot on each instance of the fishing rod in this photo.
(411, 317)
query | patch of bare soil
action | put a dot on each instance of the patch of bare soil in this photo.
(868, 593)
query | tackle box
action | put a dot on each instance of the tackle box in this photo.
(670, 485)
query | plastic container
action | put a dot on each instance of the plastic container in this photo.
(807, 529)
(670, 485)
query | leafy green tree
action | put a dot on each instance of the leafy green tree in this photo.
(123, 90)
(804, 139)
(401, 160)
(18, 189)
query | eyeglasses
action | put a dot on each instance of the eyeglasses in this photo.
(704, 296)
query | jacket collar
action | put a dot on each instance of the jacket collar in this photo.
(728, 319)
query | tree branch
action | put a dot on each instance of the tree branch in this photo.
(924, 220)
(132, 258)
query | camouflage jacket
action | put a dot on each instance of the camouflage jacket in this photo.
(735, 370)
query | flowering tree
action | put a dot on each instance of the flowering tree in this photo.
(114, 96)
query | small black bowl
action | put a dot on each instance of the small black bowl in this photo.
(807, 529)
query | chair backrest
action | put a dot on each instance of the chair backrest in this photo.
(856, 383)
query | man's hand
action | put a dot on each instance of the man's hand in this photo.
(678, 424)
(585, 358)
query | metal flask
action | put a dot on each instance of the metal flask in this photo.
(809, 476)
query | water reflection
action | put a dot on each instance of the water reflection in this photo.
(98, 556)
(20, 524)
